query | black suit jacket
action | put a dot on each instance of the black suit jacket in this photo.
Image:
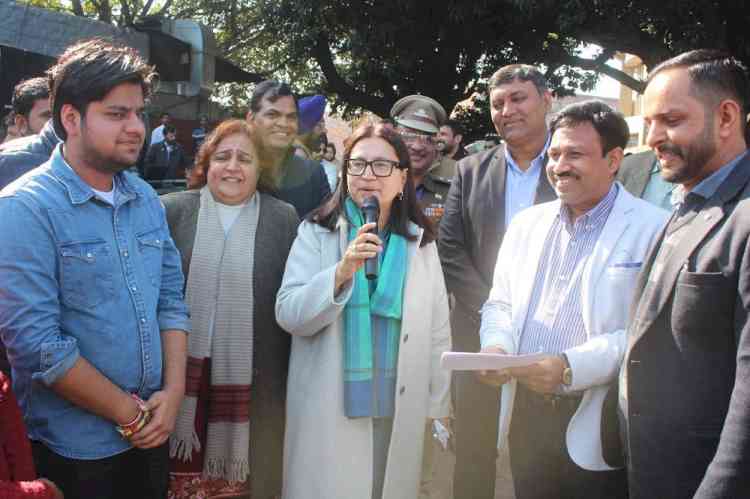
(159, 167)
(470, 234)
(687, 366)
(635, 172)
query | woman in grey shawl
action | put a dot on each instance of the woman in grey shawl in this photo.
(234, 240)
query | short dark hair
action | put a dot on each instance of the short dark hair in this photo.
(404, 210)
(164, 114)
(272, 90)
(609, 124)
(169, 129)
(523, 72)
(27, 92)
(714, 75)
(332, 146)
(87, 71)
(455, 127)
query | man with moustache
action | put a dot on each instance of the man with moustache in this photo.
(685, 382)
(489, 189)
(274, 116)
(562, 286)
(418, 119)
(450, 137)
(91, 308)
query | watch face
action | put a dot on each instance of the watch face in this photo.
(567, 376)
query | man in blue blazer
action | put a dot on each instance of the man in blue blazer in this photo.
(685, 387)
(562, 287)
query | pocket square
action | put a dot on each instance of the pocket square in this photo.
(626, 265)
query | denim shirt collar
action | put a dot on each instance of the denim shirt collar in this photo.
(79, 191)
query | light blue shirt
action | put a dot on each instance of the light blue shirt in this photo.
(520, 186)
(709, 185)
(83, 278)
(658, 191)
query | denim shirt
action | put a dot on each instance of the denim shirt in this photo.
(81, 277)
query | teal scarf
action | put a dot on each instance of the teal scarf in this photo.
(372, 328)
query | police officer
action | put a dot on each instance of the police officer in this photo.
(418, 120)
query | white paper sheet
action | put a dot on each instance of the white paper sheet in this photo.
(462, 361)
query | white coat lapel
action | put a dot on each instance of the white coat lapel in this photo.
(616, 225)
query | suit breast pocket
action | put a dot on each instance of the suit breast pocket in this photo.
(703, 303)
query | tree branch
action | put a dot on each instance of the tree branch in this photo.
(145, 9)
(321, 52)
(600, 67)
(77, 8)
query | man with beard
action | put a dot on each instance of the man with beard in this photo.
(449, 140)
(685, 382)
(489, 189)
(165, 158)
(274, 116)
(418, 119)
(91, 309)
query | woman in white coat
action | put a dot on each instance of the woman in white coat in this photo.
(364, 372)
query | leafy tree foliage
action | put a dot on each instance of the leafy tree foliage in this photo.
(367, 53)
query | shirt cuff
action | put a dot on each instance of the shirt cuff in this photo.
(56, 359)
(174, 320)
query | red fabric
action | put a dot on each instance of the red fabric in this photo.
(17, 473)
(185, 478)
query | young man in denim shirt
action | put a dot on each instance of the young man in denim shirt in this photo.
(91, 305)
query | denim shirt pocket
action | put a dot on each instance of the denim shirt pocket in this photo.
(151, 249)
(86, 273)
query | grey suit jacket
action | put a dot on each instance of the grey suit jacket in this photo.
(277, 228)
(686, 373)
(635, 172)
(470, 234)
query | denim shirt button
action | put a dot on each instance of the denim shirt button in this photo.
(143, 320)
(134, 288)
(125, 253)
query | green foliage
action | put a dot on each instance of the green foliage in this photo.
(366, 54)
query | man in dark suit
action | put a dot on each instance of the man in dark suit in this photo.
(274, 116)
(640, 174)
(685, 383)
(489, 189)
(164, 159)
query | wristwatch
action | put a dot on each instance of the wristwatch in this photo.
(567, 374)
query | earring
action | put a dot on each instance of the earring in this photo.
(401, 196)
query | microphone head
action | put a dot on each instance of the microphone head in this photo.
(371, 209)
(370, 203)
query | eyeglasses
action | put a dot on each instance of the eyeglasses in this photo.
(416, 138)
(379, 167)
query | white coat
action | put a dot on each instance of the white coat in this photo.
(326, 454)
(608, 281)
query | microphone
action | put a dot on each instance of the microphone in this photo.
(371, 211)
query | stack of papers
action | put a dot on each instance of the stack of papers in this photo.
(462, 361)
